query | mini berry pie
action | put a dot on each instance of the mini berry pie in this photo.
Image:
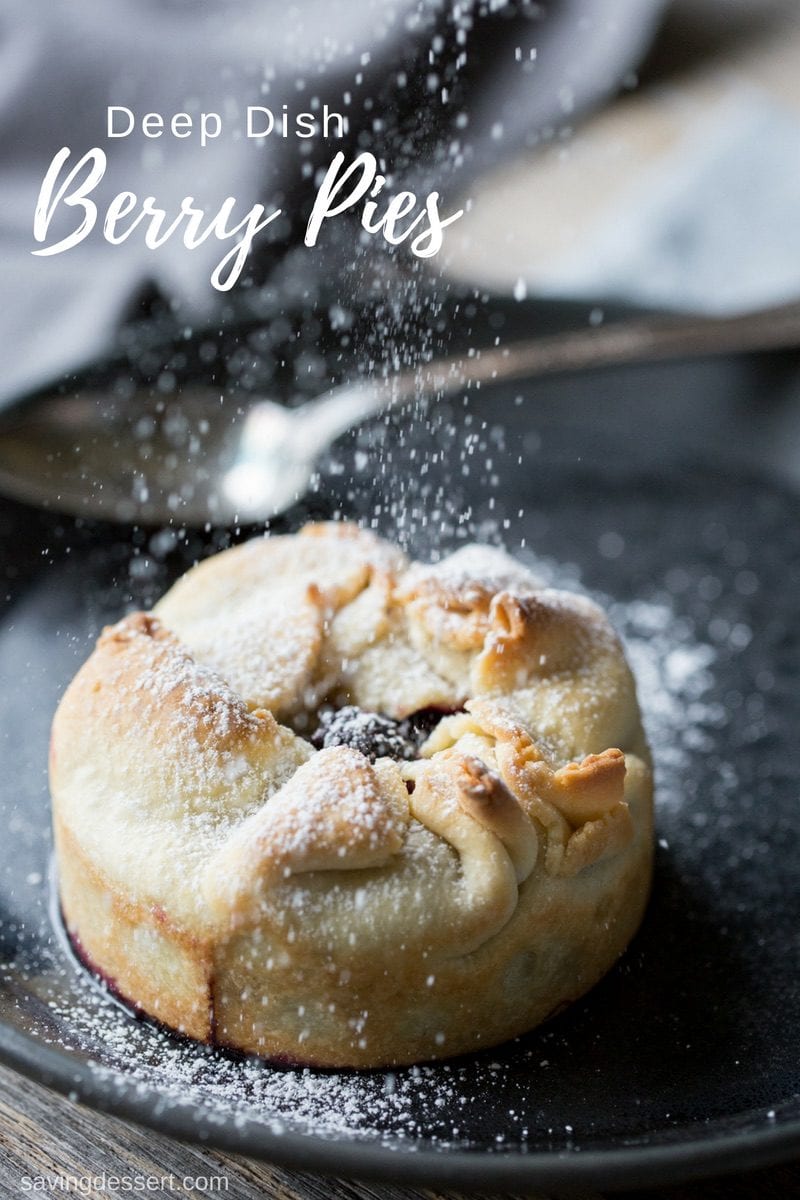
(334, 807)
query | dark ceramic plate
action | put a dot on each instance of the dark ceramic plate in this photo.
(671, 492)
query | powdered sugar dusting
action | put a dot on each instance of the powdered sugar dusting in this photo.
(173, 674)
(334, 804)
(384, 1107)
(265, 648)
(674, 672)
(475, 569)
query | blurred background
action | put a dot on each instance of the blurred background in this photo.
(633, 151)
(616, 161)
(681, 192)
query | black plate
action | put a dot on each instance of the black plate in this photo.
(671, 492)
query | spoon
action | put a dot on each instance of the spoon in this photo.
(186, 459)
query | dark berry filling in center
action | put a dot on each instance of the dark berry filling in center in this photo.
(374, 734)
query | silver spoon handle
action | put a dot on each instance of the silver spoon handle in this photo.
(656, 337)
(638, 340)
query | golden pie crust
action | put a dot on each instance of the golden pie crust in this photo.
(310, 905)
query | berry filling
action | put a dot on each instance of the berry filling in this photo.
(374, 734)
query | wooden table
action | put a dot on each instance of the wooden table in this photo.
(43, 1135)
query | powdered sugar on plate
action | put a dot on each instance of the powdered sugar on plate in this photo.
(673, 675)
